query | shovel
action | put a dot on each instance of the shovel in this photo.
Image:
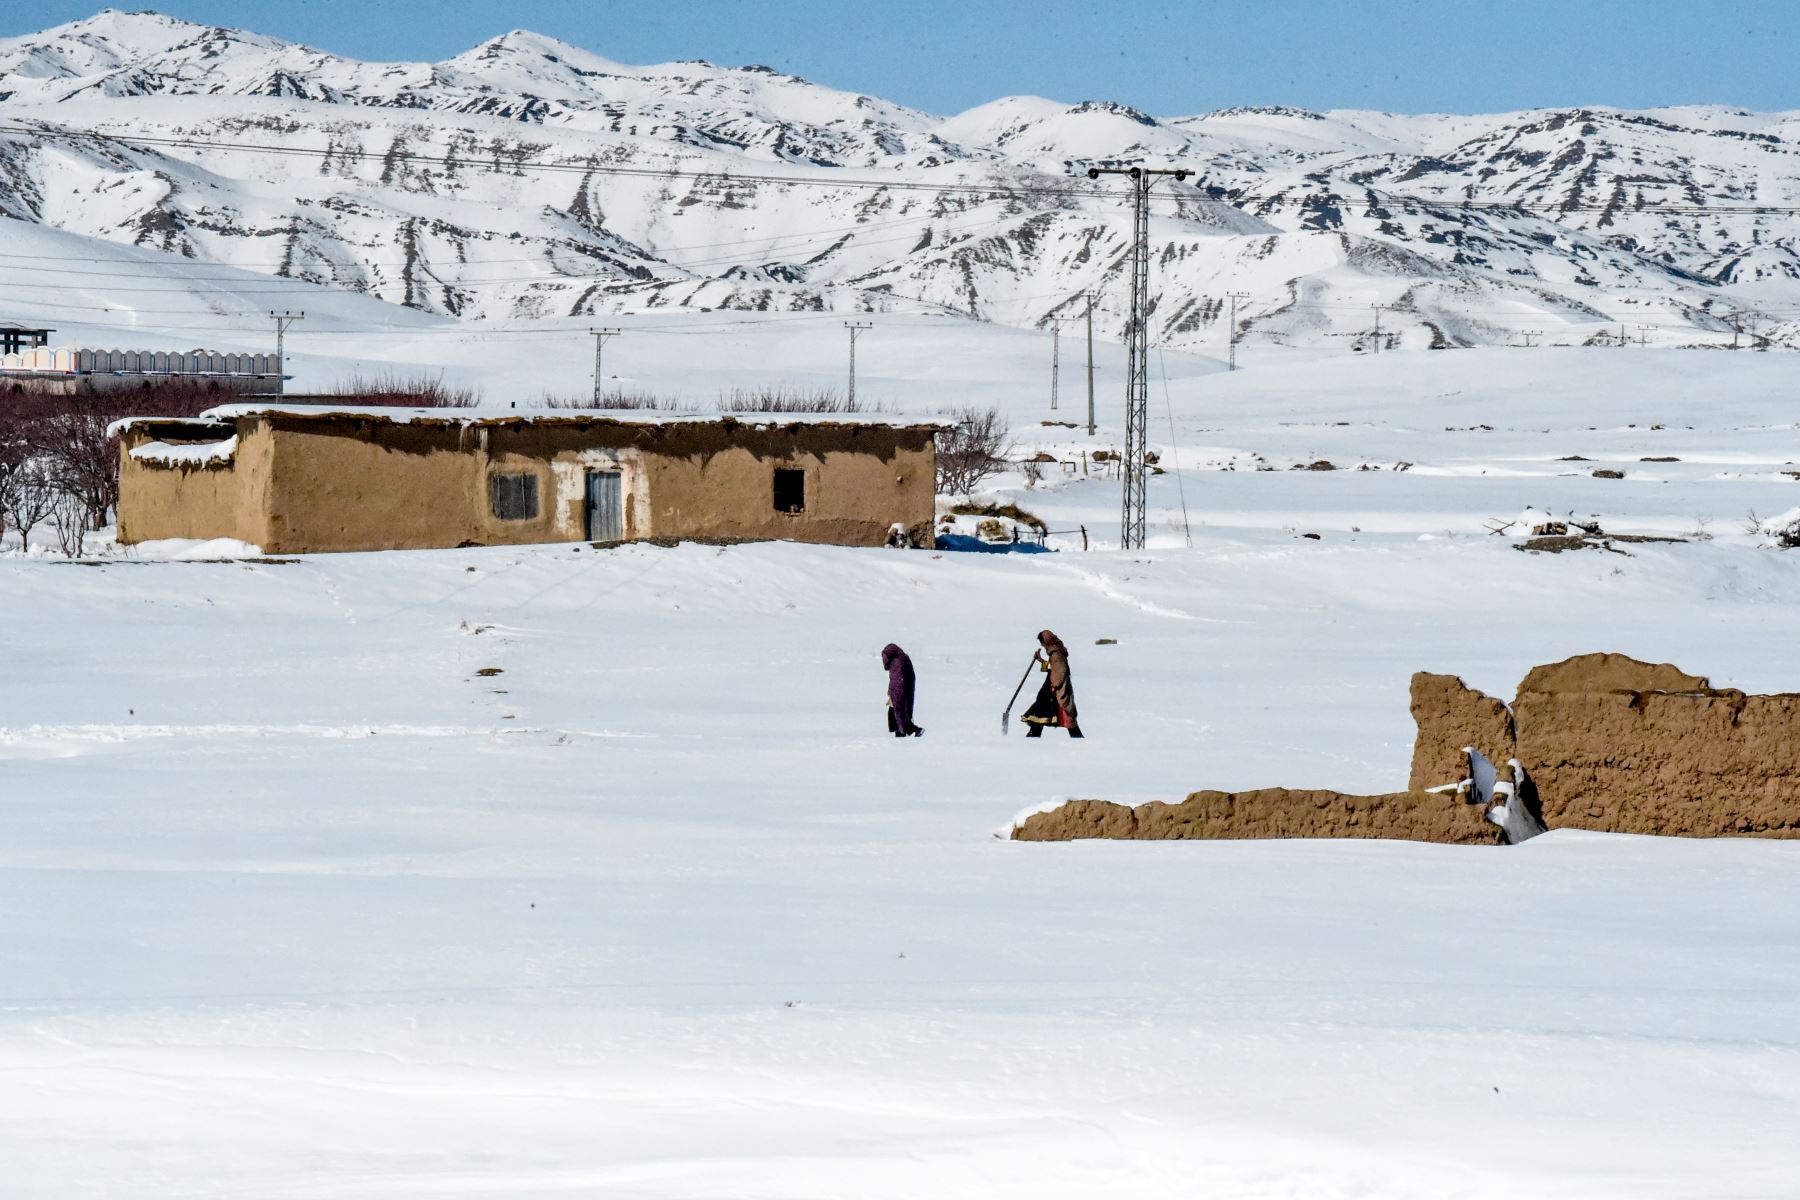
(1006, 717)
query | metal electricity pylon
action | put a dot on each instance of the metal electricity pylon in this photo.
(1231, 328)
(1137, 350)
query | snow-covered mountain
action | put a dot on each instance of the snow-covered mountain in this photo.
(527, 177)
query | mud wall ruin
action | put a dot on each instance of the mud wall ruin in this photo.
(1610, 744)
(1268, 813)
(1623, 746)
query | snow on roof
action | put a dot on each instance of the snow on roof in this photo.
(490, 415)
(177, 455)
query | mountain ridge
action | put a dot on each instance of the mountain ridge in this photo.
(1318, 216)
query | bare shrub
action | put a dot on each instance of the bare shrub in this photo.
(69, 520)
(27, 495)
(971, 451)
(782, 398)
(775, 399)
(390, 389)
(70, 435)
(84, 458)
(14, 454)
(1783, 530)
(1011, 512)
(626, 401)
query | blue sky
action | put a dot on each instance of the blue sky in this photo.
(1166, 58)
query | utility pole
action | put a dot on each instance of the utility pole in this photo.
(855, 328)
(600, 336)
(1529, 334)
(1644, 334)
(1137, 353)
(1056, 324)
(1377, 308)
(1737, 327)
(1090, 373)
(1231, 328)
(282, 321)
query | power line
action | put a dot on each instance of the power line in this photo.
(501, 163)
(812, 235)
(726, 178)
(1175, 448)
(662, 257)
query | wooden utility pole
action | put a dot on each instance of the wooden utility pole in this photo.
(600, 336)
(1090, 365)
(855, 328)
(282, 321)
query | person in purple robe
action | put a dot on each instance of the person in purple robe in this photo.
(901, 684)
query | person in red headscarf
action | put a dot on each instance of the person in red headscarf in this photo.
(1055, 703)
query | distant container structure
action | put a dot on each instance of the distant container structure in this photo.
(29, 364)
(14, 338)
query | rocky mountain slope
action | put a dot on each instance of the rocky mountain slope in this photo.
(529, 178)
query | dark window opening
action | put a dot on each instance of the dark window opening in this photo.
(790, 490)
(514, 497)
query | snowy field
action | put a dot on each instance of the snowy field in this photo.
(555, 872)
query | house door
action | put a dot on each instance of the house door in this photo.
(605, 507)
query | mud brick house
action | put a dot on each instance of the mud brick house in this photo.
(299, 478)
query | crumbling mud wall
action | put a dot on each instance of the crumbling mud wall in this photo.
(1268, 813)
(1629, 747)
(1451, 715)
(1609, 744)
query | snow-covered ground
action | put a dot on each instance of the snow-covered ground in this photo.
(548, 871)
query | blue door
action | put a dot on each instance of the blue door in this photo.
(605, 507)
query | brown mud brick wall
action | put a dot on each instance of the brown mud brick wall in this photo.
(1268, 813)
(1610, 743)
(329, 481)
(1629, 747)
(226, 498)
(1449, 716)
